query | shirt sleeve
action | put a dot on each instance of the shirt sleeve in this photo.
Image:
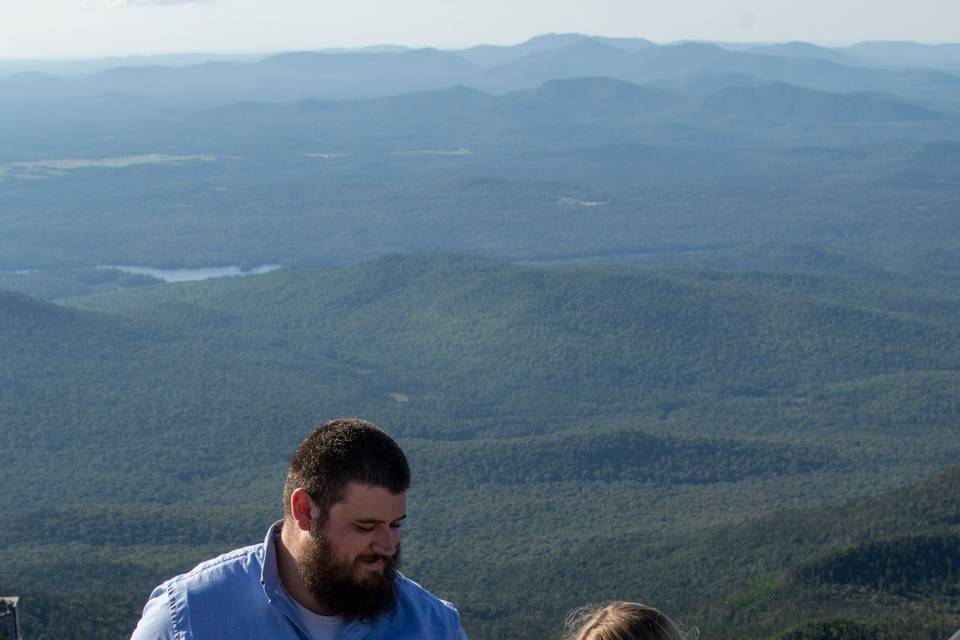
(156, 622)
(461, 634)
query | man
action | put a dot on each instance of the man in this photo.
(327, 571)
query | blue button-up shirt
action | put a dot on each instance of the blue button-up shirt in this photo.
(239, 595)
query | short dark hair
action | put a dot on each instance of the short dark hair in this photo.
(343, 451)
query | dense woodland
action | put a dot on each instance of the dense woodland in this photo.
(671, 324)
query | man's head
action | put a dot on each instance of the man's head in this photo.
(340, 452)
(346, 495)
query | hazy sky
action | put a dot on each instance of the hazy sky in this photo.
(91, 28)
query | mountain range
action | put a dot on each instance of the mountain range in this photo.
(673, 323)
(907, 70)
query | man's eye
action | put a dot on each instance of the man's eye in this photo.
(365, 528)
(396, 525)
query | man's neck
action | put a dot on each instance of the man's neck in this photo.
(287, 546)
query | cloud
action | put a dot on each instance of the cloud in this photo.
(154, 3)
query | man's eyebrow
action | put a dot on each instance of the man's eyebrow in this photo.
(377, 520)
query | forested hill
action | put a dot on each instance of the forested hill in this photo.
(564, 424)
(452, 346)
(854, 562)
(474, 338)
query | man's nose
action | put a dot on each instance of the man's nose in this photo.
(386, 541)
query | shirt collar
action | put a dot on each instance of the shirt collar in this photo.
(277, 595)
(269, 572)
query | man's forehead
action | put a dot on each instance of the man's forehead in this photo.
(359, 496)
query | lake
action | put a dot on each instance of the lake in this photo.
(190, 275)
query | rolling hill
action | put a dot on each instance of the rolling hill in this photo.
(565, 425)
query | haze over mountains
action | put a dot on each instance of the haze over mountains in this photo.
(674, 323)
(900, 68)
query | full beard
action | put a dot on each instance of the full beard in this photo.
(335, 585)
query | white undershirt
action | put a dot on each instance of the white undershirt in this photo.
(320, 627)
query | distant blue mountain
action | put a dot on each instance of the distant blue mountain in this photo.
(672, 63)
(290, 76)
(627, 44)
(945, 57)
(781, 102)
(584, 57)
(488, 55)
(430, 61)
(694, 67)
(91, 66)
(705, 84)
(587, 98)
(809, 51)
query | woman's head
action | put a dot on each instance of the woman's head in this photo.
(621, 621)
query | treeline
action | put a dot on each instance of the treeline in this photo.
(909, 566)
(92, 615)
(877, 565)
(603, 455)
(916, 628)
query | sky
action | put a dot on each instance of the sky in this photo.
(48, 29)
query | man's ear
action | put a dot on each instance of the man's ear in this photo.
(301, 508)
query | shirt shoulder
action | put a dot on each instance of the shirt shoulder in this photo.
(219, 582)
(431, 610)
(238, 561)
(156, 623)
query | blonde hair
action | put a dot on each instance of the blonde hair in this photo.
(621, 621)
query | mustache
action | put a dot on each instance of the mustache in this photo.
(373, 557)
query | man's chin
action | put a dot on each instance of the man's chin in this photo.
(368, 568)
(373, 577)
